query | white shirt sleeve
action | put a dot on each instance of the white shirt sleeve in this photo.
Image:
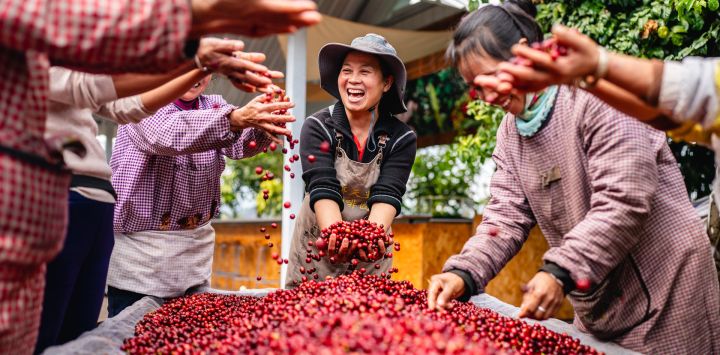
(125, 110)
(80, 90)
(689, 90)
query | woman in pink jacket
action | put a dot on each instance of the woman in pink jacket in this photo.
(625, 243)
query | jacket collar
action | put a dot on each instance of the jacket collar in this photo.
(339, 121)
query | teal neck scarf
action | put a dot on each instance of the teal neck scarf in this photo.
(535, 113)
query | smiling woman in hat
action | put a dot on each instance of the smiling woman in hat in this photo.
(363, 175)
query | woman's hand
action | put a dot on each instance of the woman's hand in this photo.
(542, 71)
(346, 249)
(443, 289)
(252, 17)
(244, 70)
(542, 298)
(259, 114)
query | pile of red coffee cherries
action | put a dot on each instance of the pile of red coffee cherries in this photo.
(365, 240)
(354, 313)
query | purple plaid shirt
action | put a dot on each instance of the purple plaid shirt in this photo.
(166, 169)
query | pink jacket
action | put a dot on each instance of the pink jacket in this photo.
(617, 214)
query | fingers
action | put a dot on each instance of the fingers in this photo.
(273, 138)
(354, 246)
(277, 106)
(228, 46)
(331, 244)
(569, 37)
(272, 118)
(444, 298)
(539, 59)
(381, 246)
(243, 86)
(443, 289)
(529, 305)
(491, 83)
(435, 288)
(528, 79)
(344, 247)
(239, 76)
(255, 57)
(362, 255)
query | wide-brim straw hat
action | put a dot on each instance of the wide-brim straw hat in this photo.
(332, 55)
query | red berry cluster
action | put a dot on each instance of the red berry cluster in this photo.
(363, 238)
(549, 46)
(354, 313)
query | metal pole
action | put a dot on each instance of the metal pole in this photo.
(294, 189)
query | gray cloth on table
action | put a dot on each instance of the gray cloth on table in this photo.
(109, 336)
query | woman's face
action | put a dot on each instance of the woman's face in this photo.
(361, 82)
(197, 89)
(475, 64)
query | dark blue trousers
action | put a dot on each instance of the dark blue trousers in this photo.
(75, 279)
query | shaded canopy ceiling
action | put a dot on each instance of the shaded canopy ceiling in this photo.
(416, 28)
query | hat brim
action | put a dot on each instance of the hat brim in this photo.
(330, 61)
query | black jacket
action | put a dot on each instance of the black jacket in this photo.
(320, 177)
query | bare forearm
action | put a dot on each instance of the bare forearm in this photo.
(135, 84)
(327, 213)
(625, 101)
(382, 214)
(171, 90)
(640, 77)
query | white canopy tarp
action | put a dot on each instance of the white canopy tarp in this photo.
(410, 45)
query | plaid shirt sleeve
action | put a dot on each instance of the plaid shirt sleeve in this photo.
(507, 221)
(95, 35)
(623, 174)
(240, 148)
(172, 131)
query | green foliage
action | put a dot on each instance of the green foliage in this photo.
(271, 207)
(441, 177)
(437, 100)
(240, 183)
(666, 29)
(663, 29)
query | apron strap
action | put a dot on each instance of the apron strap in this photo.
(382, 142)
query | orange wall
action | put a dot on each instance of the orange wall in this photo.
(242, 254)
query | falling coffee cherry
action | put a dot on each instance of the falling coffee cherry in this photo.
(259, 170)
(286, 204)
(325, 146)
(263, 229)
(274, 225)
(287, 167)
(274, 256)
(295, 157)
(270, 244)
(252, 145)
(311, 158)
(493, 231)
(284, 150)
(259, 278)
(267, 236)
(292, 175)
(583, 285)
(292, 216)
(273, 146)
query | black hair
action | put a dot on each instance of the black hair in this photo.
(493, 30)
